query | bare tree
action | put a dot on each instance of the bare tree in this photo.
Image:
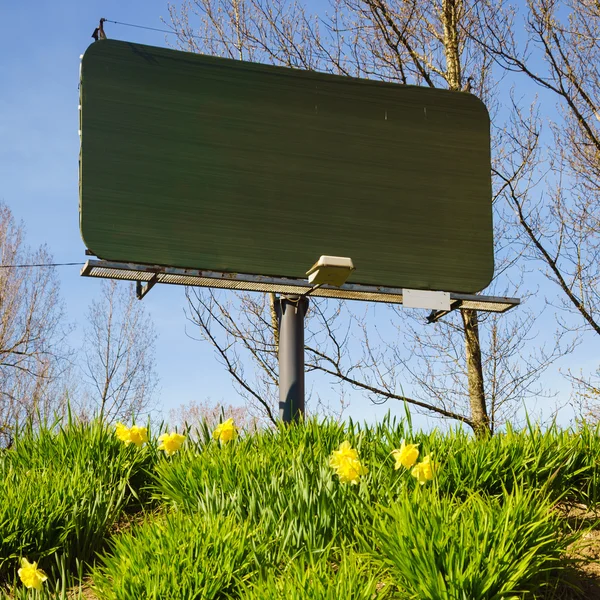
(32, 350)
(211, 413)
(119, 350)
(560, 223)
(230, 328)
(443, 44)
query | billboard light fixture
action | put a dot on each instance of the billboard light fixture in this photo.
(330, 270)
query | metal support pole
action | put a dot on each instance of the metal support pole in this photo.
(291, 311)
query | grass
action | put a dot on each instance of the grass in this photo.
(62, 489)
(482, 547)
(264, 516)
(183, 557)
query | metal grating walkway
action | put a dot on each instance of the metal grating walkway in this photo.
(153, 274)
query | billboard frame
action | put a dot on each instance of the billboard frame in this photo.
(147, 276)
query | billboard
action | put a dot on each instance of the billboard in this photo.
(199, 162)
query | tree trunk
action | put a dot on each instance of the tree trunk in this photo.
(274, 321)
(479, 417)
(450, 10)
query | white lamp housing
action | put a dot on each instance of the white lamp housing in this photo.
(330, 270)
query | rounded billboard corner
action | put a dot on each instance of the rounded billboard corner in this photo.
(88, 51)
(89, 246)
(489, 277)
(480, 104)
(93, 49)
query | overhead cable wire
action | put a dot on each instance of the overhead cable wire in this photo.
(141, 27)
(41, 265)
(168, 31)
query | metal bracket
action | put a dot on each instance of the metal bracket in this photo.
(436, 315)
(142, 289)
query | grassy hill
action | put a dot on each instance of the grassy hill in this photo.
(269, 515)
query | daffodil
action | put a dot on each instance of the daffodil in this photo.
(350, 470)
(171, 442)
(138, 435)
(406, 456)
(226, 431)
(345, 462)
(30, 575)
(423, 471)
(122, 432)
(344, 452)
(132, 435)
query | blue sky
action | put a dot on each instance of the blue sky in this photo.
(40, 46)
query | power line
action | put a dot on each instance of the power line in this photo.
(41, 265)
(167, 31)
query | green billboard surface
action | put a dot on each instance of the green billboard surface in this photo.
(209, 163)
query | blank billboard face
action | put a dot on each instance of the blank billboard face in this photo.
(209, 163)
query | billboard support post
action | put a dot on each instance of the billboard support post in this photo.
(291, 311)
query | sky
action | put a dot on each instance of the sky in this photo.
(40, 47)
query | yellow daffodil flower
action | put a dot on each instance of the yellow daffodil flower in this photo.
(423, 471)
(226, 431)
(171, 442)
(346, 464)
(138, 435)
(344, 452)
(132, 435)
(406, 456)
(30, 575)
(122, 432)
(350, 470)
